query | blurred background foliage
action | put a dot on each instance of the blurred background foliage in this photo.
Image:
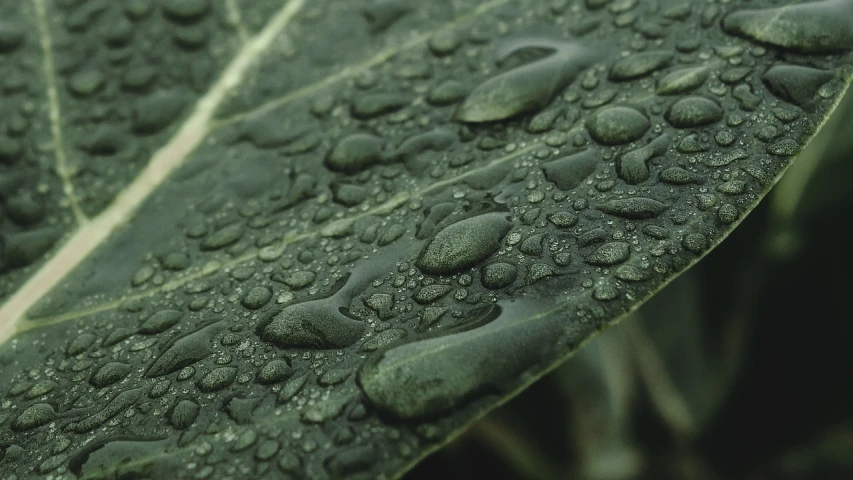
(739, 369)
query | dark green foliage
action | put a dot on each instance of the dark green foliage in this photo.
(326, 237)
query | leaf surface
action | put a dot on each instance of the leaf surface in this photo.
(318, 239)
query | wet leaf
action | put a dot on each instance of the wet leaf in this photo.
(318, 239)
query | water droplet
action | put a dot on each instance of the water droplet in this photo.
(632, 166)
(23, 248)
(733, 187)
(728, 213)
(431, 376)
(217, 379)
(631, 273)
(723, 159)
(11, 37)
(569, 172)
(795, 83)
(86, 83)
(537, 272)
(563, 219)
(617, 125)
(157, 111)
(34, 416)
(463, 244)
(527, 88)
(118, 404)
(366, 107)
(291, 388)
(431, 293)
(299, 280)
(609, 254)
(317, 323)
(695, 242)
(383, 339)
(390, 235)
(691, 112)
(355, 153)
(532, 245)
(639, 65)
(678, 176)
(80, 344)
(223, 237)
(683, 80)
(634, 208)
(160, 321)
(381, 15)
(110, 373)
(274, 371)
(447, 92)
(266, 450)
(811, 27)
(183, 414)
(257, 297)
(786, 146)
(183, 351)
(350, 462)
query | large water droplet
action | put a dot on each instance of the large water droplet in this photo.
(320, 323)
(690, 112)
(617, 125)
(185, 350)
(795, 83)
(813, 27)
(464, 244)
(634, 208)
(568, 172)
(431, 376)
(527, 88)
(355, 153)
(683, 80)
(639, 64)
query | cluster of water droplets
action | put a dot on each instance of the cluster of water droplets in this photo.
(361, 256)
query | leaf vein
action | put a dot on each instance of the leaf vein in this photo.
(55, 111)
(236, 18)
(353, 70)
(385, 207)
(164, 161)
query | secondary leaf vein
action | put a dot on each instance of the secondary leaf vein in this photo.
(236, 18)
(55, 111)
(352, 70)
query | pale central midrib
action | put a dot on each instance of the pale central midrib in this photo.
(162, 163)
(314, 233)
(15, 309)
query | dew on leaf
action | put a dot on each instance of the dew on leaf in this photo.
(528, 88)
(609, 254)
(695, 111)
(183, 414)
(110, 373)
(33, 416)
(463, 244)
(811, 27)
(617, 125)
(795, 83)
(639, 65)
(217, 379)
(568, 172)
(635, 208)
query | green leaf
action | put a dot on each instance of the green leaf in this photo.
(319, 239)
